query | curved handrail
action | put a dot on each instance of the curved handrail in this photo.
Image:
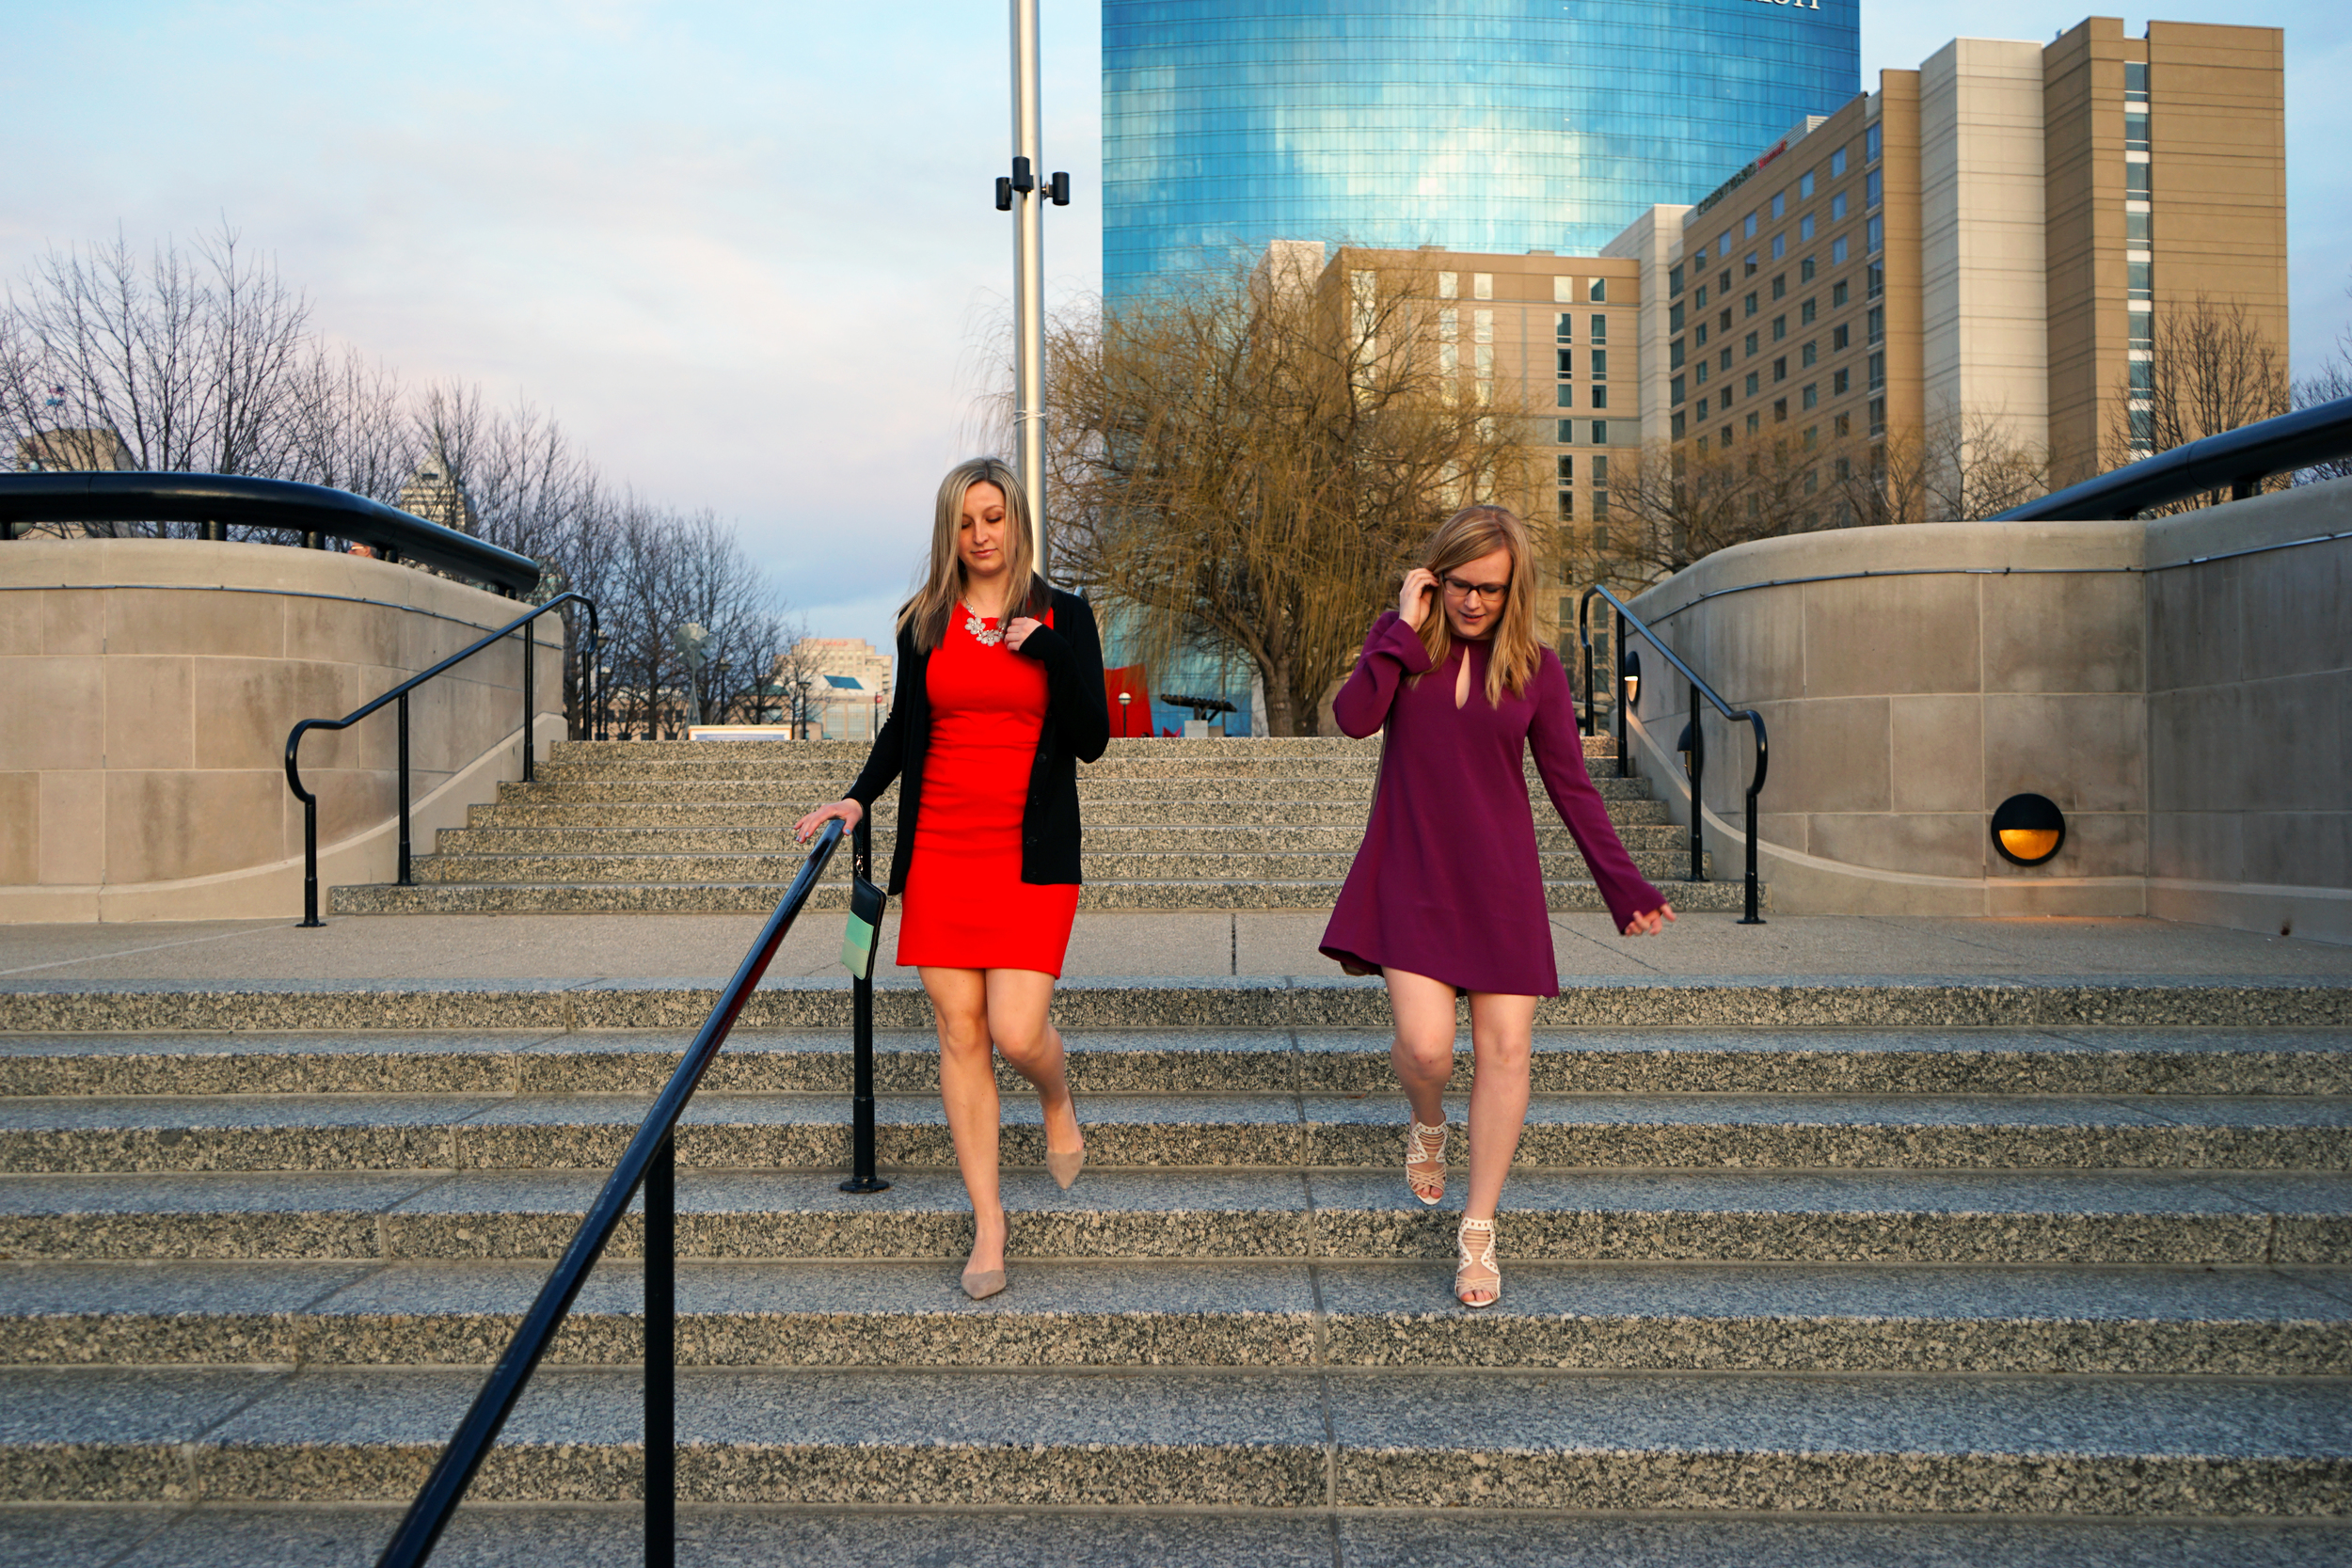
(1698, 737)
(591, 699)
(107, 496)
(647, 1161)
(2234, 460)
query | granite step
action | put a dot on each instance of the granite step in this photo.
(1157, 788)
(2070, 1321)
(1254, 1439)
(2156, 1063)
(569, 897)
(1202, 865)
(517, 1535)
(1727, 1002)
(107, 1134)
(522, 812)
(605, 838)
(1851, 1217)
(855, 751)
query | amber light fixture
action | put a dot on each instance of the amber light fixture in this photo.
(2028, 830)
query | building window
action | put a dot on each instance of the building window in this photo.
(1805, 270)
(1811, 397)
(1747, 227)
(2143, 329)
(1678, 389)
(2136, 234)
(1812, 433)
(1837, 207)
(1673, 317)
(1780, 286)
(1600, 292)
(1876, 365)
(1723, 283)
(1449, 285)
(1600, 364)
(1841, 335)
(1877, 323)
(1747, 264)
(1750, 346)
(1568, 363)
(1874, 236)
(1780, 205)
(1567, 506)
(1698, 296)
(1747, 305)
(1840, 383)
(2135, 130)
(1838, 251)
(1601, 397)
(2143, 377)
(1756, 422)
(1780, 368)
(1698, 339)
(1600, 433)
(1753, 382)
(1878, 416)
(1600, 327)
(1780, 246)
(1673, 355)
(1568, 431)
(1837, 293)
(1804, 186)
(1723, 361)
(1838, 163)
(2143, 429)
(1674, 282)
(1780, 328)
(1873, 189)
(2135, 81)
(1874, 279)
(1806, 354)
(1566, 395)
(1699, 375)
(1482, 326)
(1567, 465)
(1564, 328)
(1841, 425)
(1722, 321)
(1805, 227)
(1780, 411)
(2142, 281)
(1675, 420)
(1482, 285)
(1870, 144)
(1804, 314)
(1564, 290)
(2136, 184)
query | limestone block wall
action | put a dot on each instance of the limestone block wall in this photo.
(151, 684)
(2187, 714)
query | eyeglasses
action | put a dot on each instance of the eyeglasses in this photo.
(1492, 592)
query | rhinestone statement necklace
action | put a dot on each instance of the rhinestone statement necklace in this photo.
(987, 635)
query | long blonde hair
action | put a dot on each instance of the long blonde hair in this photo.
(1515, 654)
(927, 611)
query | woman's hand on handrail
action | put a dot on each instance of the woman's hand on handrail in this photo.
(849, 812)
(1649, 922)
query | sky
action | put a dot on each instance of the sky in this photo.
(747, 255)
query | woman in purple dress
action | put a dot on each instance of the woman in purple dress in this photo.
(1446, 896)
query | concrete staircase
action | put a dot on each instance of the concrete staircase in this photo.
(678, 827)
(1995, 1272)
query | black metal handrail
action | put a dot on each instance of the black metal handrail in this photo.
(1698, 731)
(649, 1161)
(591, 700)
(314, 511)
(2235, 460)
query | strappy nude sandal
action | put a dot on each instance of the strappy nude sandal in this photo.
(1425, 1161)
(1477, 1274)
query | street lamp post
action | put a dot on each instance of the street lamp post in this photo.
(1024, 194)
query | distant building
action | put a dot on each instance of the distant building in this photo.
(434, 493)
(847, 696)
(76, 452)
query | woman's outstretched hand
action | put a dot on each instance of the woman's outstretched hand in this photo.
(1413, 601)
(849, 812)
(1649, 922)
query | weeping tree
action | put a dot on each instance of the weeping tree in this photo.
(1243, 462)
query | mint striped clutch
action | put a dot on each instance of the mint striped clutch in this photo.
(864, 928)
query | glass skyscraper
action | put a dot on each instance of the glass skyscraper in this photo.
(1478, 125)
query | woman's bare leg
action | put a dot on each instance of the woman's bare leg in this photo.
(1019, 1003)
(1422, 1053)
(1501, 1032)
(967, 1090)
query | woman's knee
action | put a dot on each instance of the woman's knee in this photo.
(964, 1033)
(1426, 1052)
(1501, 1051)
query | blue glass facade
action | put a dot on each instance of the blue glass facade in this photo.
(1479, 125)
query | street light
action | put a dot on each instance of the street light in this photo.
(1124, 699)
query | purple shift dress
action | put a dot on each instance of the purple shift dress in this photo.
(1447, 882)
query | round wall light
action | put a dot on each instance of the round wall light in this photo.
(2028, 830)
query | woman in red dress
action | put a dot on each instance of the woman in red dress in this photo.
(999, 695)
(1446, 895)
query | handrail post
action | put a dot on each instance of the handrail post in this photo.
(531, 636)
(661, 1356)
(861, 1177)
(404, 790)
(1698, 778)
(1750, 917)
(1585, 637)
(310, 861)
(1616, 695)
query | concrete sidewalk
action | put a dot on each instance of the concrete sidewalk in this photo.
(708, 947)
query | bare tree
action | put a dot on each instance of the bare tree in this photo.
(2332, 382)
(1239, 464)
(2212, 368)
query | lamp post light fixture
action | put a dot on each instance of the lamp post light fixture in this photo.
(1630, 671)
(1126, 700)
(1024, 194)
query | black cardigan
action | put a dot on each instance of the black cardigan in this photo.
(1077, 728)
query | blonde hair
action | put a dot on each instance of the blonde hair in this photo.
(927, 611)
(1477, 530)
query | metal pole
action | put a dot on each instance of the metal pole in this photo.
(1616, 697)
(661, 1356)
(1698, 797)
(861, 1177)
(1750, 917)
(1031, 194)
(403, 789)
(311, 862)
(531, 635)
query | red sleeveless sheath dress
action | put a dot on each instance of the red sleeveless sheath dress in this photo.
(965, 906)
